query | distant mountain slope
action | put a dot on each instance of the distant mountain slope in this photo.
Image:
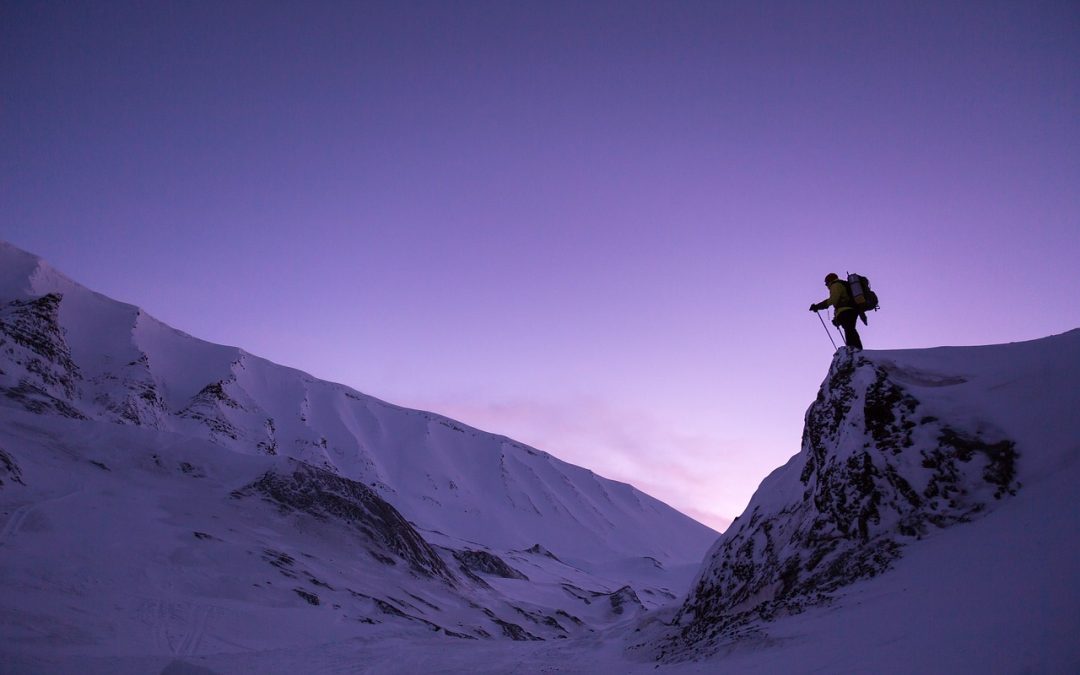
(72, 352)
(900, 450)
(163, 498)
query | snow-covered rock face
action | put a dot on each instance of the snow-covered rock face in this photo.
(878, 469)
(39, 373)
(326, 495)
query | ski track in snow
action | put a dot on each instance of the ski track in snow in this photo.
(156, 614)
(199, 615)
(167, 639)
(14, 522)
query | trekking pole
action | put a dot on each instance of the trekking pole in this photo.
(826, 329)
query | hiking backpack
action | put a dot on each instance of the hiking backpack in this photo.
(862, 298)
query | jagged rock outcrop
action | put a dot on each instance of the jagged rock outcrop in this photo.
(625, 599)
(324, 494)
(32, 340)
(130, 395)
(537, 549)
(877, 470)
(9, 469)
(209, 407)
(484, 562)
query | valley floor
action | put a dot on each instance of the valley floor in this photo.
(998, 595)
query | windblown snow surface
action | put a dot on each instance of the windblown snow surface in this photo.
(169, 505)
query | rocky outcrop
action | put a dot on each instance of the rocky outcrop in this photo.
(9, 469)
(326, 495)
(130, 395)
(39, 373)
(876, 471)
(210, 406)
(483, 562)
(537, 549)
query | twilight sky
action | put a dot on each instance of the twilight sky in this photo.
(595, 227)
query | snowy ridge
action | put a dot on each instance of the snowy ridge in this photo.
(91, 357)
(898, 447)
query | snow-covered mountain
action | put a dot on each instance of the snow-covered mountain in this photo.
(931, 507)
(162, 494)
(79, 354)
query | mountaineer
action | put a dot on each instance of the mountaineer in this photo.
(844, 312)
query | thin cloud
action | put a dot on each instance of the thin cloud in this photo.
(704, 477)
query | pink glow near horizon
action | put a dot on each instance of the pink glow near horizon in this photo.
(594, 227)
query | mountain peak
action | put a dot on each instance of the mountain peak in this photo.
(897, 447)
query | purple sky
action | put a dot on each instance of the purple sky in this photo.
(594, 227)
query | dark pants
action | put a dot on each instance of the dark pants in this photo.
(847, 320)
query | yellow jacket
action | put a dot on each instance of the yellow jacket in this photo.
(838, 299)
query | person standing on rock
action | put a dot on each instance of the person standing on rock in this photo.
(844, 313)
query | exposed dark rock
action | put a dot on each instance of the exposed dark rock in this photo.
(388, 608)
(579, 593)
(537, 549)
(540, 619)
(470, 575)
(191, 470)
(573, 619)
(484, 562)
(130, 395)
(312, 599)
(515, 632)
(209, 407)
(10, 468)
(270, 445)
(39, 401)
(278, 559)
(284, 562)
(451, 425)
(424, 602)
(326, 495)
(887, 411)
(1000, 468)
(619, 600)
(623, 599)
(31, 335)
(143, 406)
(215, 391)
(384, 559)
